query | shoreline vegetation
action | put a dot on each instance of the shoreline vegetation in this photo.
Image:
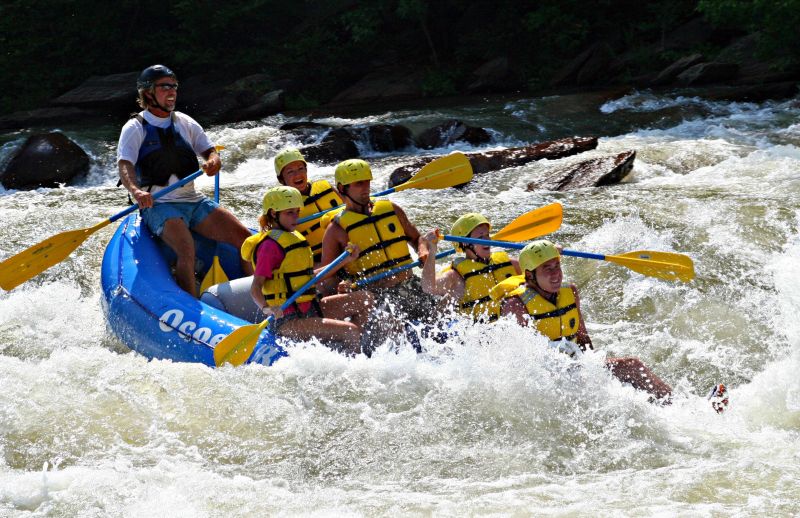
(70, 61)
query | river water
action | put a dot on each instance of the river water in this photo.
(491, 423)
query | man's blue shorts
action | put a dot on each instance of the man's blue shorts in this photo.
(191, 213)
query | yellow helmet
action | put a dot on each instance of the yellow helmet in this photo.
(281, 198)
(353, 170)
(286, 157)
(537, 253)
(466, 224)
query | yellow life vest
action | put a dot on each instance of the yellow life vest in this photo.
(296, 269)
(555, 321)
(380, 236)
(321, 197)
(479, 279)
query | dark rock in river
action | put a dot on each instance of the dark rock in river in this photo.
(339, 144)
(705, 73)
(383, 85)
(450, 132)
(50, 117)
(595, 172)
(669, 74)
(113, 91)
(45, 160)
(590, 66)
(491, 76)
(388, 137)
(505, 158)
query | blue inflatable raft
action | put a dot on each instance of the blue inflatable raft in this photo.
(152, 315)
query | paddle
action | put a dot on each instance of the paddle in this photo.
(215, 275)
(447, 171)
(31, 262)
(663, 265)
(532, 224)
(237, 347)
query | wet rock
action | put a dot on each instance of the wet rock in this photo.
(505, 158)
(268, 104)
(595, 172)
(303, 126)
(705, 73)
(383, 85)
(339, 144)
(62, 116)
(218, 99)
(491, 76)
(752, 93)
(450, 132)
(590, 66)
(112, 91)
(388, 137)
(45, 160)
(669, 74)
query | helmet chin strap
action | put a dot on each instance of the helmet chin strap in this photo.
(478, 258)
(362, 207)
(152, 100)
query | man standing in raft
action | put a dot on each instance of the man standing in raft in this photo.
(467, 282)
(383, 233)
(292, 170)
(539, 298)
(158, 147)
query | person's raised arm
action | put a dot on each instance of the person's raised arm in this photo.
(582, 337)
(449, 284)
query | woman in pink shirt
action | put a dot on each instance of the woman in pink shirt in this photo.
(283, 262)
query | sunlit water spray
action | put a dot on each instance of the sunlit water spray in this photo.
(491, 421)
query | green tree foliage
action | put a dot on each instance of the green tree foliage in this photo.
(320, 48)
(777, 23)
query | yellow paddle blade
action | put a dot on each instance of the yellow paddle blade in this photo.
(533, 224)
(215, 275)
(237, 347)
(663, 265)
(31, 262)
(447, 171)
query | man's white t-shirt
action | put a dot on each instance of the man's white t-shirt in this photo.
(132, 136)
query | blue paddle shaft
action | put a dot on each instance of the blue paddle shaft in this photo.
(159, 194)
(518, 246)
(388, 273)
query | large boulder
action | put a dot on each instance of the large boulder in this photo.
(115, 91)
(669, 74)
(502, 159)
(383, 85)
(706, 73)
(590, 66)
(450, 132)
(339, 144)
(491, 76)
(53, 116)
(217, 98)
(388, 137)
(45, 160)
(594, 172)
